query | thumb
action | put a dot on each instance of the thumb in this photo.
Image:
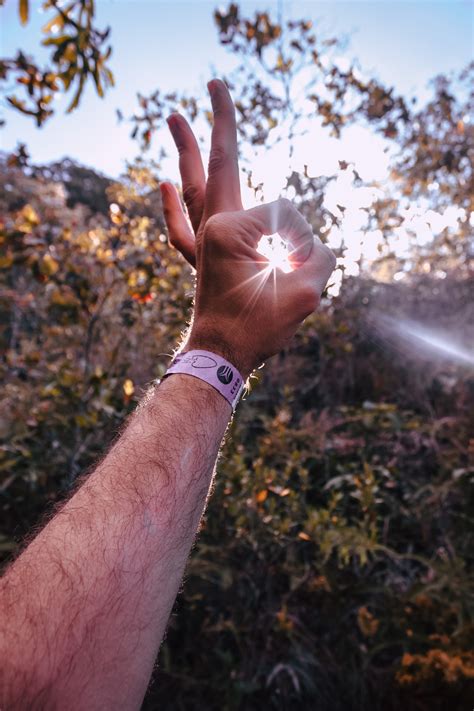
(312, 276)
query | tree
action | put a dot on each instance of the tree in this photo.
(333, 568)
(79, 51)
(288, 81)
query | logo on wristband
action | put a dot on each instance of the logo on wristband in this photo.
(225, 374)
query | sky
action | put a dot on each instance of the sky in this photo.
(172, 44)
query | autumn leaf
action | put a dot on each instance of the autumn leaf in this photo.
(304, 536)
(24, 11)
(128, 387)
(368, 624)
(48, 265)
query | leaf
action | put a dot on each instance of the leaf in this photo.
(24, 11)
(97, 82)
(304, 536)
(368, 624)
(108, 76)
(56, 22)
(128, 387)
(6, 261)
(49, 265)
(56, 41)
(77, 97)
(261, 496)
(29, 214)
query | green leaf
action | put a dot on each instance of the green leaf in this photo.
(24, 11)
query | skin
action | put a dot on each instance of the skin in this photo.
(85, 606)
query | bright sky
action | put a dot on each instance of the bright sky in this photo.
(172, 44)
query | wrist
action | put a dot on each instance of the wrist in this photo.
(211, 340)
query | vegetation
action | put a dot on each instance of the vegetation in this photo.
(334, 565)
(79, 52)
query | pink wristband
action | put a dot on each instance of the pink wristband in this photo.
(213, 369)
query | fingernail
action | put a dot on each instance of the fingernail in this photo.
(212, 87)
(173, 120)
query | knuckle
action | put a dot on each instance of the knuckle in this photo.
(214, 228)
(223, 111)
(309, 300)
(219, 157)
(192, 195)
(181, 145)
(328, 255)
(286, 205)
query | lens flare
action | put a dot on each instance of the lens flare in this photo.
(427, 340)
(275, 249)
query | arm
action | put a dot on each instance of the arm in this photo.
(85, 606)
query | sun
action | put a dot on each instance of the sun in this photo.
(275, 249)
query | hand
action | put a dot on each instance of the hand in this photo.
(244, 309)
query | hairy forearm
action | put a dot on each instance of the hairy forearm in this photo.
(86, 605)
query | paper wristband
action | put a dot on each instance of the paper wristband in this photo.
(213, 369)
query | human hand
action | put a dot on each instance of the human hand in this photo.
(245, 310)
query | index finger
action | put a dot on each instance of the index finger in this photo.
(223, 185)
(281, 216)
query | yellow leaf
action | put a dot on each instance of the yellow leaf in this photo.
(261, 496)
(64, 298)
(48, 265)
(29, 214)
(23, 11)
(6, 261)
(128, 387)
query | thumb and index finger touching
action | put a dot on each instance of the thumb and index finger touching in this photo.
(310, 258)
(312, 261)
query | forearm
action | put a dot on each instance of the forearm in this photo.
(87, 603)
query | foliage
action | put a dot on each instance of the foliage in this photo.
(282, 67)
(334, 561)
(289, 80)
(334, 566)
(78, 52)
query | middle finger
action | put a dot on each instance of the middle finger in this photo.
(223, 185)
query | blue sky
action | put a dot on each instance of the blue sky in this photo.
(173, 45)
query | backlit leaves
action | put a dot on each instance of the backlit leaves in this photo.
(79, 53)
(339, 524)
(23, 11)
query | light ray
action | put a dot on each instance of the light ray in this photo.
(276, 250)
(256, 293)
(442, 343)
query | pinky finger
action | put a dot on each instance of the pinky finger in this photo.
(180, 233)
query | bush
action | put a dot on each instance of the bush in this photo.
(333, 566)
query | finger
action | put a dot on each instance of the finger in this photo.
(223, 185)
(313, 275)
(282, 217)
(190, 167)
(179, 230)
